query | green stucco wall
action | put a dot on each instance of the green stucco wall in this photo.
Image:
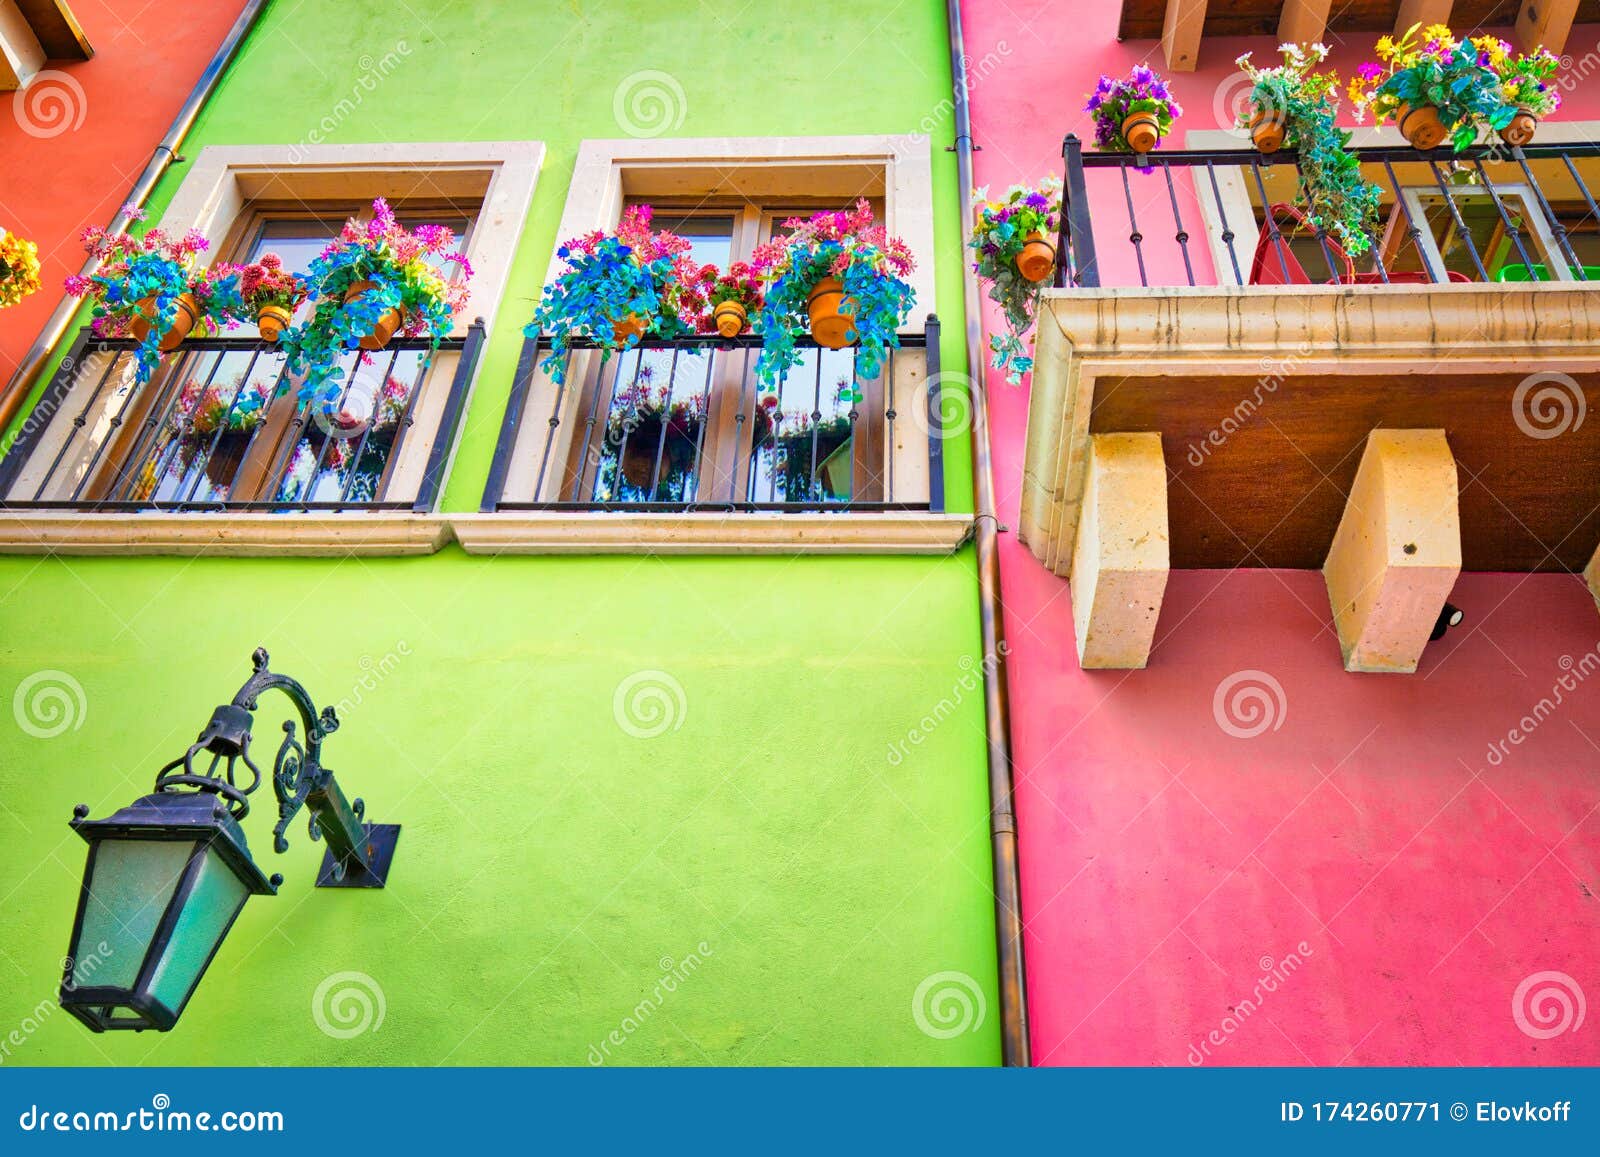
(554, 867)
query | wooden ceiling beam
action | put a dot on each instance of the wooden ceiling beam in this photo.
(1180, 34)
(1423, 12)
(1545, 23)
(1303, 21)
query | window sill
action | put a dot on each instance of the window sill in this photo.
(375, 534)
(557, 532)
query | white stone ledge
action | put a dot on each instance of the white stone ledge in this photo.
(377, 534)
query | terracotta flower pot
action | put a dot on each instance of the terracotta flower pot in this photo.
(730, 317)
(1421, 126)
(1268, 127)
(634, 325)
(271, 320)
(1141, 130)
(831, 326)
(1521, 129)
(388, 322)
(1038, 257)
(183, 322)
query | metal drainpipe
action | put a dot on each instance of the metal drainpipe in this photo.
(996, 701)
(16, 390)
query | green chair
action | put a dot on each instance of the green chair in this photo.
(1519, 272)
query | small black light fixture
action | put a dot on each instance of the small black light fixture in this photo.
(168, 874)
(1451, 616)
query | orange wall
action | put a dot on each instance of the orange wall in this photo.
(76, 140)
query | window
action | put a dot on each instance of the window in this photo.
(219, 424)
(681, 425)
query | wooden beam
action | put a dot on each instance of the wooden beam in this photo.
(1397, 552)
(1545, 23)
(1180, 34)
(1120, 560)
(1423, 12)
(1303, 21)
(21, 55)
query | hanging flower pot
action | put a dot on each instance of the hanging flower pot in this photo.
(1521, 129)
(635, 325)
(1142, 131)
(831, 326)
(1037, 260)
(388, 322)
(1268, 126)
(271, 294)
(183, 322)
(730, 318)
(1420, 126)
(271, 320)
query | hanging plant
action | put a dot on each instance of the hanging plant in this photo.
(840, 276)
(1014, 242)
(372, 281)
(270, 294)
(1132, 115)
(1525, 85)
(19, 268)
(144, 289)
(1291, 104)
(1432, 87)
(617, 287)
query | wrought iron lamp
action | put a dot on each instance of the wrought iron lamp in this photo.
(168, 874)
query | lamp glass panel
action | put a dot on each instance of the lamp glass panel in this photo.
(129, 891)
(215, 900)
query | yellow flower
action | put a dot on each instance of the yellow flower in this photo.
(1385, 47)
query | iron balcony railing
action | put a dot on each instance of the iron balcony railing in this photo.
(1489, 213)
(680, 425)
(218, 427)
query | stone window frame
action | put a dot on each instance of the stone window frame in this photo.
(609, 173)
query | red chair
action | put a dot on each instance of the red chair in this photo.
(1275, 263)
(1270, 264)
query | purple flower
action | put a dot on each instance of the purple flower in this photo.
(1036, 201)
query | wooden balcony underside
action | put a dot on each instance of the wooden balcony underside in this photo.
(1269, 489)
(1264, 400)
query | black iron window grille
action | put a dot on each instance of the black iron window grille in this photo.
(680, 425)
(1491, 213)
(219, 427)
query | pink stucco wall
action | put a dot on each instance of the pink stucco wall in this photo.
(1370, 879)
